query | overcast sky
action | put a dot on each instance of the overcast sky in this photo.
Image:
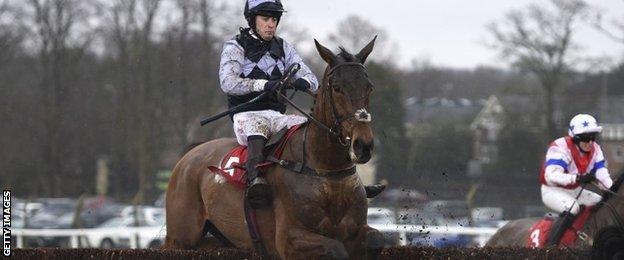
(445, 32)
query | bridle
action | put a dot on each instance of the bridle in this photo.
(614, 214)
(360, 115)
(618, 219)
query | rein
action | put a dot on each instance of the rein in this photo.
(360, 115)
(615, 214)
(336, 130)
(301, 167)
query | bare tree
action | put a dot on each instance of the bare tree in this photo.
(148, 9)
(188, 10)
(540, 40)
(614, 28)
(354, 32)
(122, 29)
(12, 33)
(130, 30)
(53, 22)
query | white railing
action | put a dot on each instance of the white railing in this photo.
(73, 234)
(482, 233)
(79, 237)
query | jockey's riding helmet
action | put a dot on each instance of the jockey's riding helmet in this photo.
(584, 127)
(271, 8)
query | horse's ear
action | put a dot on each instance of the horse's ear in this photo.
(327, 55)
(363, 54)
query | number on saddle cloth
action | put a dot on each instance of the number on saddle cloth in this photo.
(540, 231)
(232, 165)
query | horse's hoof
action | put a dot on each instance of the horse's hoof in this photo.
(337, 251)
(374, 190)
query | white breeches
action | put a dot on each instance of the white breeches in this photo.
(560, 199)
(263, 122)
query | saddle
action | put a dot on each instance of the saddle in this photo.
(540, 231)
(232, 166)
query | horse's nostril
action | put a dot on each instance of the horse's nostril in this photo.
(361, 146)
(357, 145)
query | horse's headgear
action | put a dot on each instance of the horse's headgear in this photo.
(271, 8)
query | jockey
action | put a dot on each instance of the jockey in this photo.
(572, 161)
(251, 63)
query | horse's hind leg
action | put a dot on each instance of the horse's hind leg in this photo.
(183, 232)
(185, 220)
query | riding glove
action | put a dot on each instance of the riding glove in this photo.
(301, 84)
(586, 178)
(271, 85)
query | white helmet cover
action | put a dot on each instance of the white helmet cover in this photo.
(583, 123)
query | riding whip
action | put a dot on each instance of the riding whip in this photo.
(290, 72)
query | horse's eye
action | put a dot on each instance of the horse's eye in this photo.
(337, 88)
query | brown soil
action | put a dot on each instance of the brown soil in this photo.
(388, 253)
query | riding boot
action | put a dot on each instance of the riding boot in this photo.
(374, 190)
(258, 193)
(559, 228)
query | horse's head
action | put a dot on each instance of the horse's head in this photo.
(344, 99)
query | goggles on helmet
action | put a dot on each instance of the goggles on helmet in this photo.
(586, 137)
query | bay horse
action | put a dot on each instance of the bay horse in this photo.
(312, 216)
(608, 213)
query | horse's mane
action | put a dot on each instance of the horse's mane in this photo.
(345, 56)
(191, 146)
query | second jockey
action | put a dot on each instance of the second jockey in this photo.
(571, 162)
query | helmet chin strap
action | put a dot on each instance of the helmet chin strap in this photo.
(255, 34)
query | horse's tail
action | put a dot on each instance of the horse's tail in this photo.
(191, 146)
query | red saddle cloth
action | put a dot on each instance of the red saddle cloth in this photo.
(540, 231)
(232, 165)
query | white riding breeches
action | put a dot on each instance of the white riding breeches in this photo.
(263, 122)
(560, 199)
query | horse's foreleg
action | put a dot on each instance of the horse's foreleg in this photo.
(303, 244)
(367, 244)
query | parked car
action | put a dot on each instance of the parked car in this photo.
(51, 209)
(27, 208)
(45, 213)
(121, 232)
(147, 215)
(17, 219)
